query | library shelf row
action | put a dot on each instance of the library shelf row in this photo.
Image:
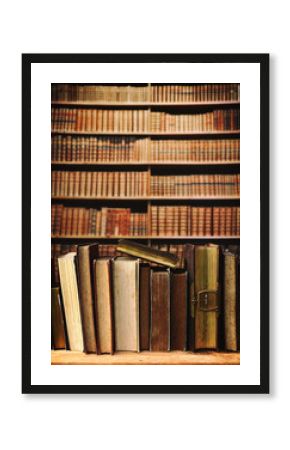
(64, 357)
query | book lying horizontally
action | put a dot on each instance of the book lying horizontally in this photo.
(149, 254)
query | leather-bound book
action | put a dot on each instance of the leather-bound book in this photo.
(230, 302)
(69, 289)
(160, 310)
(189, 263)
(57, 320)
(206, 296)
(85, 256)
(144, 307)
(104, 305)
(126, 303)
(149, 254)
(178, 310)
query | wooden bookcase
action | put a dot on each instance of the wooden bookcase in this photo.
(153, 167)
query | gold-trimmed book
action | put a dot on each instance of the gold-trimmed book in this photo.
(147, 253)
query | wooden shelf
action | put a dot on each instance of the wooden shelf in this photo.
(233, 197)
(89, 236)
(147, 104)
(150, 133)
(144, 163)
(145, 358)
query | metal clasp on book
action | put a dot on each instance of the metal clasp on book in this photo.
(207, 300)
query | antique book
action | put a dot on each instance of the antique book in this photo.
(104, 305)
(85, 256)
(126, 303)
(230, 301)
(149, 254)
(144, 306)
(70, 295)
(178, 310)
(206, 296)
(57, 320)
(189, 263)
(160, 310)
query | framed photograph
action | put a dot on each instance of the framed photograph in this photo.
(145, 227)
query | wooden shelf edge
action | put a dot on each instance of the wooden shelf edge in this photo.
(233, 197)
(149, 133)
(90, 236)
(63, 357)
(144, 163)
(148, 104)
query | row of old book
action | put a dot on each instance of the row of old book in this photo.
(141, 184)
(67, 148)
(154, 93)
(135, 121)
(110, 250)
(195, 93)
(162, 221)
(195, 185)
(218, 120)
(106, 305)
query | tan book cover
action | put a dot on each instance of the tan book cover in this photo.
(126, 303)
(104, 305)
(70, 295)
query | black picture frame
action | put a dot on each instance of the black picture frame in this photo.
(27, 61)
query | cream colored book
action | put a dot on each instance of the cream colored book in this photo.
(103, 305)
(70, 295)
(126, 303)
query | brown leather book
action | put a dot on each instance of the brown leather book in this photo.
(160, 310)
(126, 303)
(85, 256)
(104, 305)
(144, 308)
(230, 301)
(57, 320)
(178, 310)
(147, 253)
(189, 263)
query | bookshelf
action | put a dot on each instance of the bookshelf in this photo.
(202, 105)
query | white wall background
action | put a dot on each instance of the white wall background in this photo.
(74, 422)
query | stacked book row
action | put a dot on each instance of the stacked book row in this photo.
(66, 148)
(93, 149)
(140, 184)
(100, 120)
(99, 93)
(195, 93)
(169, 309)
(165, 221)
(195, 221)
(195, 185)
(155, 93)
(108, 250)
(99, 184)
(218, 120)
(119, 121)
(195, 150)
(103, 222)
